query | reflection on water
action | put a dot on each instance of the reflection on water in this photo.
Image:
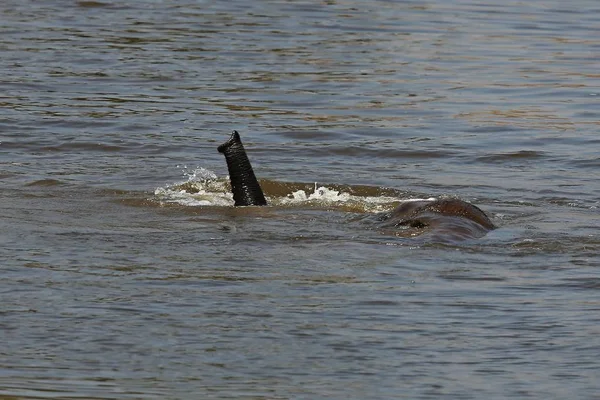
(127, 273)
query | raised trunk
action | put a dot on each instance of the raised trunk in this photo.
(244, 185)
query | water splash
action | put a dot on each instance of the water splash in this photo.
(326, 196)
(204, 188)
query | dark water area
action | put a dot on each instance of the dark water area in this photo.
(128, 274)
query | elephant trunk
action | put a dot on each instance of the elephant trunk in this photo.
(244, 185)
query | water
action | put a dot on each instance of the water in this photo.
(126, 272)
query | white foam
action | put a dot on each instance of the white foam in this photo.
(204, 188)
(324, 196)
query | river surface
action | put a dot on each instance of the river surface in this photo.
(126, 272)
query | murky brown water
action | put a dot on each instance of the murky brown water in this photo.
(126, 272)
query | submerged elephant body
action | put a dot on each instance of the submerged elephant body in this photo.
(450, 216)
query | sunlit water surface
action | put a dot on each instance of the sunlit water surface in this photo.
(127, 273)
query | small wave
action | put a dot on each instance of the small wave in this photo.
(518, 155)
(83, 146)
(45, 182)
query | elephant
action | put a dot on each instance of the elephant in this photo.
(455, 217)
